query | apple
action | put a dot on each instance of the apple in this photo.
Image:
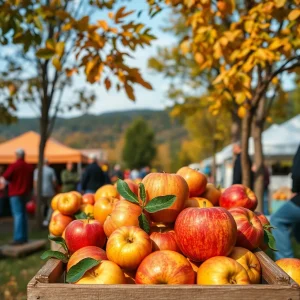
(82, 233)
(195, 180)
(264, 221)
(220, 270)
(163, 238)
(132, 186)
(107, 272)
(128, 246)
(68, 203)
(291, 266)
(165, 267)
(250, 231)
(238, 195)
(88, 209)
(58, 223)
(249, 261)
(124, 213)
(103, 207)
(107, 190)
(161, 184)
(88, 199)
(198, 202)
(79, 196)
(86, 252)
(54, 201)
(202, 233)
(212, 194)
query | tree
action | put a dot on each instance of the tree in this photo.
(52, 41)
(139, 149)
(245, 46)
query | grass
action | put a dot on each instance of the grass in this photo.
(15, 273)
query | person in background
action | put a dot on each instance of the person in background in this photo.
(135, 174)
(93, 177)
(145, 171)
(69, 178)
(288, 215)
(117, 173)
(19, 178)
(237, 168)
(3, 193)
(48, 190)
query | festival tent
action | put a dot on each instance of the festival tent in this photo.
(55, 152)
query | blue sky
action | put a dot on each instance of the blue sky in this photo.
(116, 101)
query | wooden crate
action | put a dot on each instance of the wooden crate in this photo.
(48, 283)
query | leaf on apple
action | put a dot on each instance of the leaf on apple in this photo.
(126, 192)
(78, 270)
(143, 195)
(54, 254)
(144, 223)
(81, 215)
(59, 240)
(160, 203)
(269, 239)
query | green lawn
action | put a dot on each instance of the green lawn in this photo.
(16, 273)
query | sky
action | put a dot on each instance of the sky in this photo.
(118, 101)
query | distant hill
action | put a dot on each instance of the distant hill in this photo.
(89, 131)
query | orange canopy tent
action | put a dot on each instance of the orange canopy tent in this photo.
(55, 152)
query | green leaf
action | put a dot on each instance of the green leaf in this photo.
(54, 254)
(81, 215)
(126, 192)
(144, 223)
(269, 239)
(143, 195)
(59, 240)
(160, 203)
(78, 270)
(45, 53)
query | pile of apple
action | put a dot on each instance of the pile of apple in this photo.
(169, 229)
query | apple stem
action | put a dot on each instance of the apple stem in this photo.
(204, 204)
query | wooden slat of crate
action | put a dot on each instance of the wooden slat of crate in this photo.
(44, 286)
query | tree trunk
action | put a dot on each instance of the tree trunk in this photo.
(245, 162)
(214, 164)
(258, 125)
(44, 123)
(235, 128)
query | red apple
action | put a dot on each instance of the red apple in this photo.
(195, 180)
(202, 233)
(163, 238)
(165, 267)
(291, 266)
(88, 199)
(82, 233)
(238, 195)
(86, 252)
(250, 231)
